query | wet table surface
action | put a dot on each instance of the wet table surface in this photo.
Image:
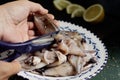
(107, 31)
(112, 69)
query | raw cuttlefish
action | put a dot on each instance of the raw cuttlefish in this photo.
(69, 55)
(44, 24)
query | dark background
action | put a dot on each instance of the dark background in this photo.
(108, 31)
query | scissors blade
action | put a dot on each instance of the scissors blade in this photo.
(43, 42)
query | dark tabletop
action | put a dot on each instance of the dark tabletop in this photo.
(107, 31)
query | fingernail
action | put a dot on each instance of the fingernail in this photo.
(46, 11)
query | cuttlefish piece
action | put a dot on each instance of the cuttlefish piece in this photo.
(87, 57)
(61, 45)
(32, 60)
(75, 49)
(44, 24)
(61, 59)
(90, 53)
(76, 62)
(87, 48)
(65, 69)
(26, 67)
(49, 56)
(86, 67)
(39, 54)
(67, 43)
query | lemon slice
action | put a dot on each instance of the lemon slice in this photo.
(78, 13)
(94, 13)
(61, 4)
(71, 8)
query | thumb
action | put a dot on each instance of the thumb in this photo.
(7, 69)
(14, 67)
(36, 7)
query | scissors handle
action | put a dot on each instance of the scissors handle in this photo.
(9, 46)
(14, 50)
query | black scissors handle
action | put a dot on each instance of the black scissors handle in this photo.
(27, 47)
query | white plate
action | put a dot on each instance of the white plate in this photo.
(93, 41)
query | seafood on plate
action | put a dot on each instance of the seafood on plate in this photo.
(69, 55)
(44, 24)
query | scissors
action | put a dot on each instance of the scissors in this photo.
(11, 51)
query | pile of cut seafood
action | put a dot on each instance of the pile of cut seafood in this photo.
(69, 55)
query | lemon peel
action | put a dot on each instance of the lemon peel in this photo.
(94, 13)
(77, 13)
(71, 8)
(75, 10)
(61, 4)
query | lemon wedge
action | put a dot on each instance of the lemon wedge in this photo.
(72, 7)
(77, 13)
(61, 4)
(94, 13)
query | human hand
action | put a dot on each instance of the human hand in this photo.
(14, 25)
(8, 69)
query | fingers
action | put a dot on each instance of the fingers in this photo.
(8, 69)
(57, 23)
(32, 37)
(50, 16)
(30, 25)
(35, 7)
(31, 32)
(15, 67)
